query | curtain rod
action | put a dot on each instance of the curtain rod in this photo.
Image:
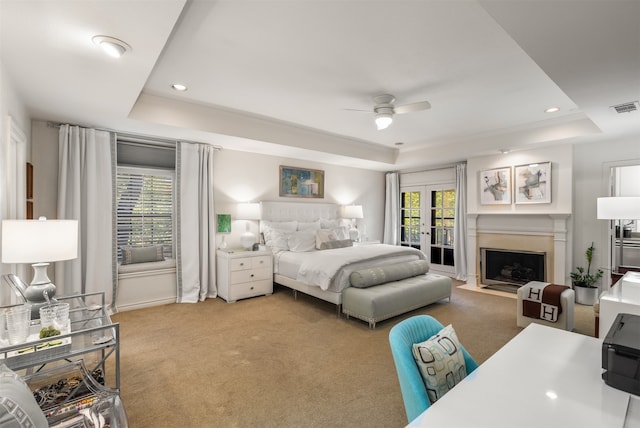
(138, 138)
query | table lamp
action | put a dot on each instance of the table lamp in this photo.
(353, 212)
(619, 208)
(38, 242)
(248, 211)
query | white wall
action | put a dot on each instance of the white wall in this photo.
(561, 158)
(248, 177)
(591, 179)
(12, 165)
(238, 177)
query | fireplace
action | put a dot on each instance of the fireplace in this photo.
(510, 269)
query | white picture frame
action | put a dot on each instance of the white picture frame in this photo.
(533, 183)
(495, 186)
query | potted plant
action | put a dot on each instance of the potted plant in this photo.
(584, 282)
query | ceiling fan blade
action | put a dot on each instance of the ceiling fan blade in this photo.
(357, 109)
(409, 108)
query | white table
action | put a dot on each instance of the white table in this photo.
(544, 377)
(622, 297)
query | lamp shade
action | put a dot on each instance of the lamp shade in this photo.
(618, 208)
(37, 241)
(249, 211)
(352, 211)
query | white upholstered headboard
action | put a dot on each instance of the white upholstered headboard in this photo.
(301, 211)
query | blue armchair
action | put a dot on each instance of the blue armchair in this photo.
(401, 339)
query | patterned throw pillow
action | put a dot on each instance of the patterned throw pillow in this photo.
(441, 362)
(18, 407)
(326, 235)
(153, 253)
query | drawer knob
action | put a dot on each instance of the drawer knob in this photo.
(252, 288)
(241, 264)
(251, 275)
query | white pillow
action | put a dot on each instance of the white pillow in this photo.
(314, 225)
(326, 235)
(329, 224)
(441, 362)
(302, 241)
(277, 240)
(266, 225)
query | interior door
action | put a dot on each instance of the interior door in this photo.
(427, 223)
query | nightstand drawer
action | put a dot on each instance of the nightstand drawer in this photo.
(251, 275)
(249, 263)
(250, 289)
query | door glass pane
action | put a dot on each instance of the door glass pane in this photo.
(411, 212)
(442, 226)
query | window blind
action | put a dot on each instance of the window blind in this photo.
(145, 208)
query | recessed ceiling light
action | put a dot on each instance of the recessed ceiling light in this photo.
(552, 110)
(179, 87)
(111, 46)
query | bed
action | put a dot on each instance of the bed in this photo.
(325, 273)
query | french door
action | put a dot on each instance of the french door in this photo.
(427, 223)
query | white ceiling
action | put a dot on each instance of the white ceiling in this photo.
(279, 77)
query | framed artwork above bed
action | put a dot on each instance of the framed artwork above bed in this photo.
(301, 182)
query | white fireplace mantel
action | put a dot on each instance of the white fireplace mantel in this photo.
(538, 227)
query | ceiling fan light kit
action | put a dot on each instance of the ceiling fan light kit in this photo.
(384, 119)
(384, 109)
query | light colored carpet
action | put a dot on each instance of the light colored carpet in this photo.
(275, 362)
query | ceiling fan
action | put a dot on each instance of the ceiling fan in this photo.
(384, 109)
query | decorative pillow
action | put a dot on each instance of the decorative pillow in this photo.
(302, 241)
(441, 362)
(314, 225)
(329, 224)
(18, 407)
(277, 240)
(341, 243)
(379, 275)
(152, 253)
(335, 234)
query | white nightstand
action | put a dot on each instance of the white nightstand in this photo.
(243, 274)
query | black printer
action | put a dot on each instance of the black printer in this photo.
(621, 354)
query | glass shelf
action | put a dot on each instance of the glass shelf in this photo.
(92, 342)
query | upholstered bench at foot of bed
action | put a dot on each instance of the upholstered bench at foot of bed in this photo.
(384, 301)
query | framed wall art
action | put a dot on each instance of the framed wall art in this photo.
(301, 182)
(495, 186)
(224, 223)
(533, 183)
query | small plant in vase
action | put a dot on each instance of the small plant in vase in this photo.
(584, 282)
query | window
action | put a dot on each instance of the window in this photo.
(145, 207)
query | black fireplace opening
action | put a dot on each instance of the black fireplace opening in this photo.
(511, 269)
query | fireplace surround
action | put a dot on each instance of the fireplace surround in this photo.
(539, 233)
(511, 267)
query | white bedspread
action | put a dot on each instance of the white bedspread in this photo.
(321, 267)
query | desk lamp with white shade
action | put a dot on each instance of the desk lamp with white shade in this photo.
(248, 212)
(619, 208)
(38, 242)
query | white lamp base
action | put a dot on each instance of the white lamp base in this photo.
(248, 239)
